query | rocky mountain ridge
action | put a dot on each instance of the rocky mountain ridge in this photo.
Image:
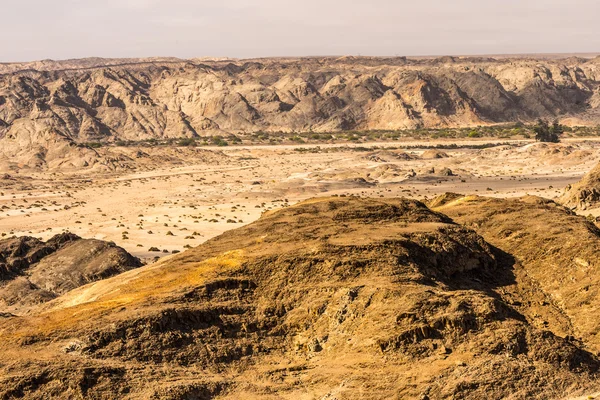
(47, 108)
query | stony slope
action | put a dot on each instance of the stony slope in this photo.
(48, 107)
(332, 298)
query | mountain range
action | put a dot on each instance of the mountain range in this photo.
(46, 107)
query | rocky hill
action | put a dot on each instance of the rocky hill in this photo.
(33, 272)
(332, 298)
(47, 107)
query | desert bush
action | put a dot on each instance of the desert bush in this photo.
(546, 133)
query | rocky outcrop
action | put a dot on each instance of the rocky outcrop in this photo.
(33, 271)
(584, 194)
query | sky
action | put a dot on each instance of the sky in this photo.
(62, 29)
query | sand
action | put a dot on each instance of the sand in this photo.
(172, 207)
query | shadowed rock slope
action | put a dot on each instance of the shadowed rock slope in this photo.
(47, 108)
(33, 272)
(557, 253)
(333, 298)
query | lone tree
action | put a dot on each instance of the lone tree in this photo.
(546, 133)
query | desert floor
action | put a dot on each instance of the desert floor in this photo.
(172, 205)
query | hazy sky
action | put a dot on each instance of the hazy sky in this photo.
(59, 29)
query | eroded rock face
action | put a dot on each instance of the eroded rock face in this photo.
(320, 299)
(46, 110)
(33, 271)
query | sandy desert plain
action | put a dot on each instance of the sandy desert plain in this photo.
(198, 193)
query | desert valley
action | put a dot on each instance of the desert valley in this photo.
(180, 197)
(300, 228)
